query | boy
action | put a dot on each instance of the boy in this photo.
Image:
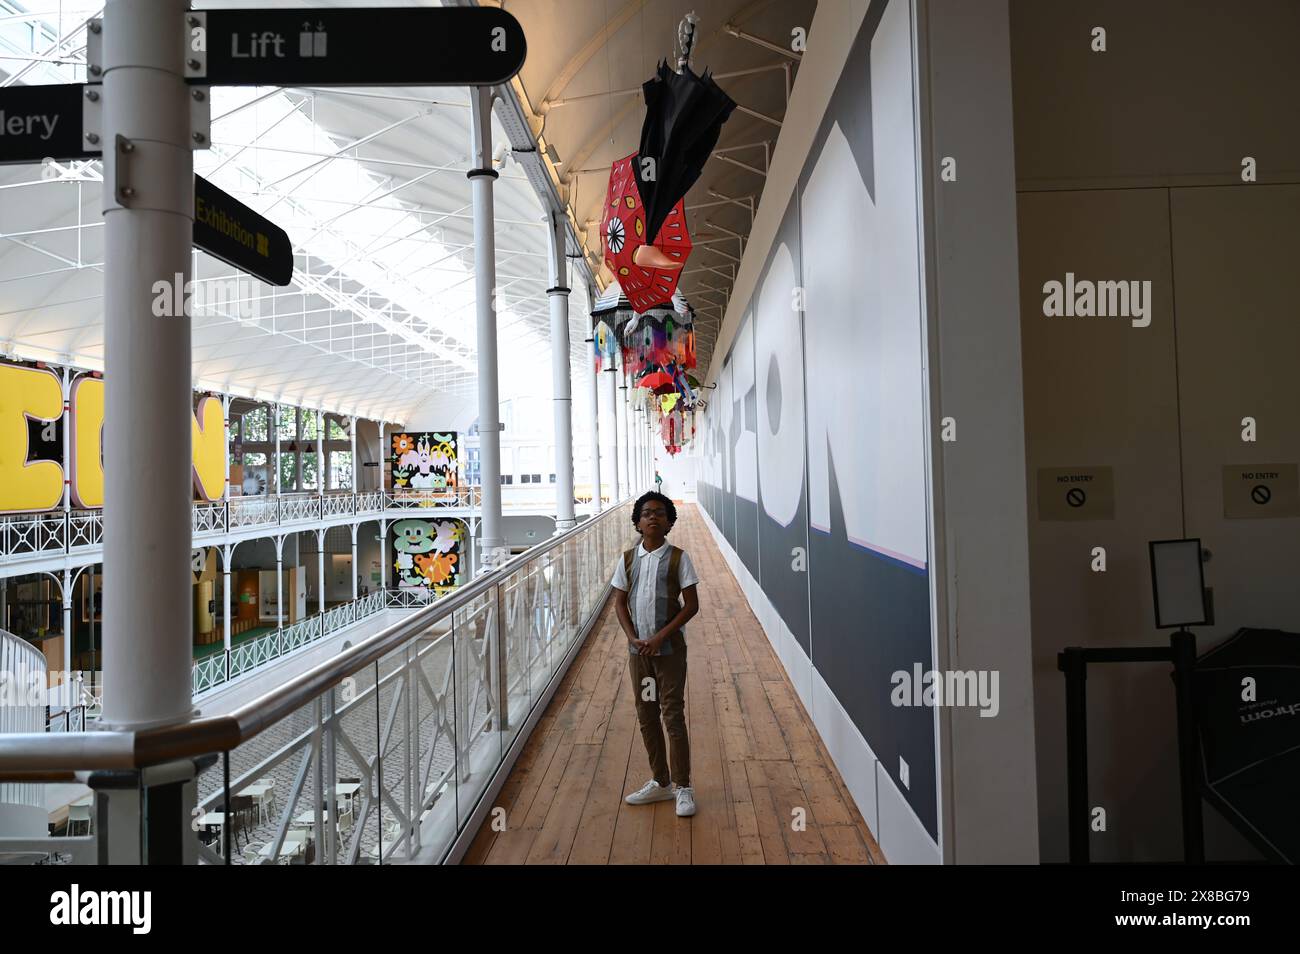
(650, 577)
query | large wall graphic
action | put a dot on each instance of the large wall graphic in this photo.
(425, 461)
(427, 555)
(815, 439)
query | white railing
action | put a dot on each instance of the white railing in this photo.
(404, 599)
(77, 531)
(391, 760)
(209, 517)
(256, 511)
(85, 529)
(299, 507)
(34, 533)
(218, 668)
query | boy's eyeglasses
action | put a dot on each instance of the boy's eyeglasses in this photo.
(654, 513)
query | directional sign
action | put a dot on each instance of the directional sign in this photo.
(405, 46)
(39, 122)
(229, 230)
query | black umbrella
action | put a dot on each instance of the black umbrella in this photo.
(683, 119)
(1250, 747)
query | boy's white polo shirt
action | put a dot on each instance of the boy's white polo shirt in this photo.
(641, 604)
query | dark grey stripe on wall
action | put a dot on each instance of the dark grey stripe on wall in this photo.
(862, 609)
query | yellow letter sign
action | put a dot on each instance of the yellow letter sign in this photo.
(27, 393)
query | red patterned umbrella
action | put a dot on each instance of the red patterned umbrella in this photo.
(647, 271)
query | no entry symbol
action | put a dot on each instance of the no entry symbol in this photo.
(1075, 497)
(1261, 494)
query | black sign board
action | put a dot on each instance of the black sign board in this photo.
(403, 46)
(229, 230)
(39, 122)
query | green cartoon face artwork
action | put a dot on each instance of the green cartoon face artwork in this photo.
(413, 536)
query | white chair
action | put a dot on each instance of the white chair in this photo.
(253, 853)
(77, 814)
(268, 798)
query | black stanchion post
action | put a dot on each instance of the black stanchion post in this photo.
(1183, 646)
(1071, 661)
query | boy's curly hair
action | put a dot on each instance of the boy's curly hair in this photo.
(646, 498)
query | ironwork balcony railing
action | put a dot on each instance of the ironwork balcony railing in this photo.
(388, 751)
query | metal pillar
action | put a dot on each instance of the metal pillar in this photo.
(67, 622)
(482, 176)
(352, 438)
(297, 450)
(225, 430)
(67, 445)
(620, 418)
(227, 555)
(561, 383)
(320, 570)
(611, 391)
(383, 554)
(148, 235)
(595, 422)
(354, 528)
(276, 425)
(320, 455)
(279, 583)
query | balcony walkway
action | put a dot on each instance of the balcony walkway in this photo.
(755, 755)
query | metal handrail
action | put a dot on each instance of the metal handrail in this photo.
(27, 755)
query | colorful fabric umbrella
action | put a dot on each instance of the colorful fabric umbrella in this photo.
(646, 272)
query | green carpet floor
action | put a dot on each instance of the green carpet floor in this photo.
(208, 649)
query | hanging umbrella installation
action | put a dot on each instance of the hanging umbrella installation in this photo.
(646, 271)
(683, 120)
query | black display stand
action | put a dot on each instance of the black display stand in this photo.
(1073, 661)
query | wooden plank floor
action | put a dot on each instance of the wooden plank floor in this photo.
(755, 756)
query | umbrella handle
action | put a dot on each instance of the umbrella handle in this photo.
(686, 39)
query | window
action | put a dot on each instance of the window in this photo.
(308, 425)
(537, 478)
(552, 478)
(308, 471)
(336, 431)
(287, 427)
(507, 479)
(254, 424)
(525, 478)
(288, 473)
(340, 470)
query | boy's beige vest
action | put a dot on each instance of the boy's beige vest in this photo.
(667, 594)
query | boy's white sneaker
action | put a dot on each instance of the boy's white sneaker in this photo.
(651, 791)
(685, 802)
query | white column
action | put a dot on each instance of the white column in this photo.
(279, 583)
(275, 415)
(611, 392)
(595, 421)
(354, 561)
(67, 620)
(227, 554)
(67, 449)
(320, 453)
(482, 176)
(320, 570)
(352, 438)
(225, 429)
(383, 554)
(620, 419)
(560, 379)
(148, 653)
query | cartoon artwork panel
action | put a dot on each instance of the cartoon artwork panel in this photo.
(427, 555)
(423, 461)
